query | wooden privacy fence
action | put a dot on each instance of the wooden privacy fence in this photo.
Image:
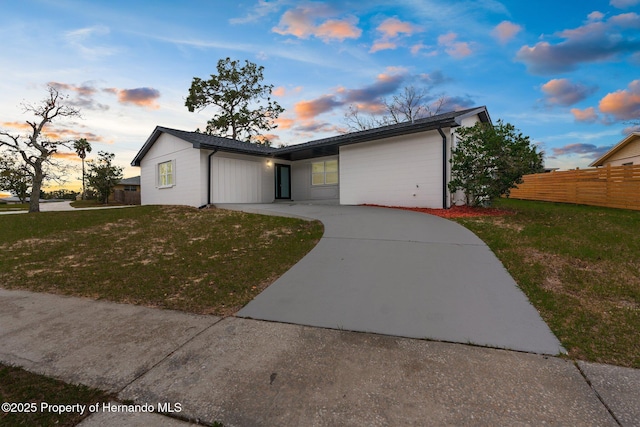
(127, 197)
(609, 186)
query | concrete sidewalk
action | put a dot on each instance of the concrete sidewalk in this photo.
(247, 372)
(400, 273)
(62, 206)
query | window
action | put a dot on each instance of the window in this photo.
(166, 174)
(130, 188)
(323, 173)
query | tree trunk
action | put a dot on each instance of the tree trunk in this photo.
(83, 190)
(34, 203)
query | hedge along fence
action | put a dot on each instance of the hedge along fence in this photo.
(609, 186)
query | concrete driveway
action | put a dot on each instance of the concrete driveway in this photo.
(400, 273)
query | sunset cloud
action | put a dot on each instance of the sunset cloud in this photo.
(588, 115)
(589, 151)
(453, 47)
(623, 104)
(278, 91)
(623, 4)
(284, 123)
(592, 42)
(83, 95)
(564, 92)
(310, 109)
(391, 29)
(141, 97)
(505, 31)
(302, 22)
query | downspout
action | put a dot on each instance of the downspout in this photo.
(209, 176)
(444, 169)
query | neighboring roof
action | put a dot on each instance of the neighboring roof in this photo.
(134, 180)
(619, 146)
(317, 148)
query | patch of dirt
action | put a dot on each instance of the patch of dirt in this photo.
(455, 211)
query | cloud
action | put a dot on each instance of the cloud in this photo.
(52, 133)
(262, 9)
(391, 30)
(592, 42)
(67, 156)
(505, 31)
(80, 39)
(141, 97)
(455, 103)
(563, 92)
(284, 123)
(452, 47)
(278, 91)
(590, 151)
(84, 95)
(310, 109)
(623, 104)
(301, 22)
(435, 78)
(623, 4)
(367, 98)
(588, 115)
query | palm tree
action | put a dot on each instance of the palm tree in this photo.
(82, 147)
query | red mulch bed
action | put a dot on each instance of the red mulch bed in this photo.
(456, 211)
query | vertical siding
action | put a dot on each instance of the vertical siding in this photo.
(241, 179)
(399, 171)
(188, 183)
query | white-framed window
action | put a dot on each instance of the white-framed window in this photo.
(324, 173)
(166, 174)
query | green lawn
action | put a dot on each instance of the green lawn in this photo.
(580, 267)
(13, 207)
(20, 386)
(204, 261)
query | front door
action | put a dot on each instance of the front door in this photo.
(283, 181)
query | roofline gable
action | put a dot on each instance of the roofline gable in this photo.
(620, 145)
(314, 148)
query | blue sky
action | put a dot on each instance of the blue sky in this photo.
(565, 73)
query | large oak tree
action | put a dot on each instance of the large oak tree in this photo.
(35, 149)
(245, 108)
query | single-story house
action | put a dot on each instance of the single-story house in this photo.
(626, 152)
(405, 164)
(128, 184)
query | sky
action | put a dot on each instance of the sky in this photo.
(565, 73)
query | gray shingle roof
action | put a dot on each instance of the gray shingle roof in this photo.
(316, 148)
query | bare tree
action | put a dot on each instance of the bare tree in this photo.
(35, 149)
(411, 104)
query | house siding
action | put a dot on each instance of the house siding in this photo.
(187, 178)
(630, 153)
(400, 171)
(301, 188)
(241, 179)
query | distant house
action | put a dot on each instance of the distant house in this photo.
(127, 191)
(128, 184)
(626, 152)
(405, 164)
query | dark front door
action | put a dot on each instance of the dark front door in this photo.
(283, 181)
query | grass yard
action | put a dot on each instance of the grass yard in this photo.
(206, 261)
(580, 267)
(92, 204)
(20, 386)
(4, 207)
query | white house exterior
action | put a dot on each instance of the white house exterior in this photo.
(399, 165)
(626, 152)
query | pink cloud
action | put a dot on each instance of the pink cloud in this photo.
(393, 27)
(382, 45)
(623, 4)
(278, 91)
(141, 97)
(623, 104)
(564, 92)
(301, 23)
(454, 48)
(505, 31)
(588, 115)
(309, 109)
